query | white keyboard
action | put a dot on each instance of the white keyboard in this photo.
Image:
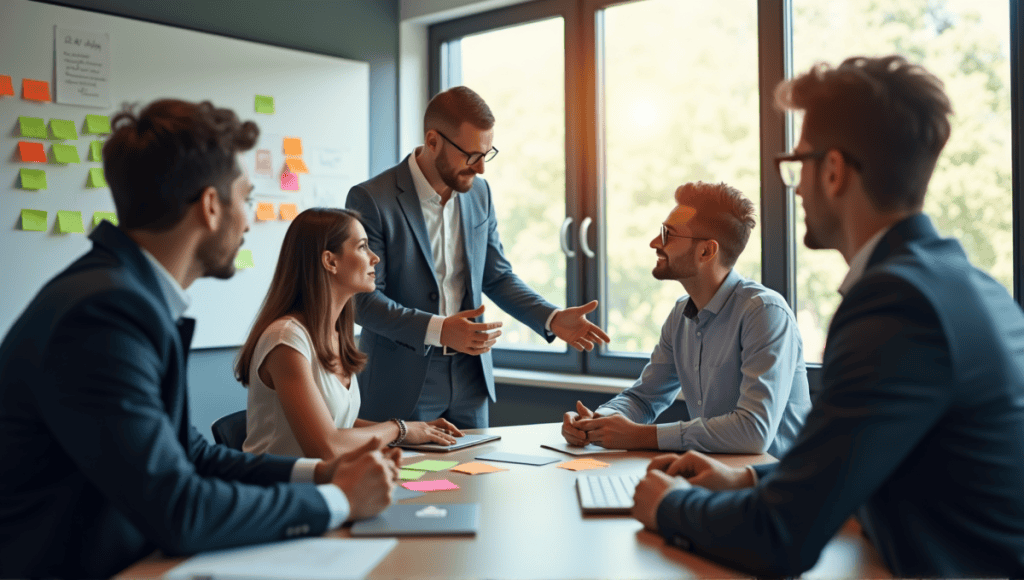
(606, 494)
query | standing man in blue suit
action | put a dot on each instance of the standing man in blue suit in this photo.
(919, 426)
(101, 463)
(433, 225)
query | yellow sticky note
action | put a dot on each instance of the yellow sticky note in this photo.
(244, 260)
(296, 165)
(33, 220)
(410, 474)
(477, 468)
(292, 146)
(70, 222)
(265, 212)
(63, 129)
(65, 153)
(104, 215)
(289, 211)
(582, 464)
(33, 179)
(97, 124)
(96, 177)
(96, 151)
(265, 104)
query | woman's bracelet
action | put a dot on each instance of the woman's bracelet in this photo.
(402, 432)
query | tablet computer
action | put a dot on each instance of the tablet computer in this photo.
(421, 520)
(460, 443)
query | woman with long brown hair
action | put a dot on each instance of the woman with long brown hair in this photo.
(300, 360)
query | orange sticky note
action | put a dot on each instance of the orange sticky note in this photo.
(289, 211)
(582, 464)
(35, 90)
(477, 468)
(32, 152)
(297, 165)
(6, 88)
(265, 212)
(292, 146)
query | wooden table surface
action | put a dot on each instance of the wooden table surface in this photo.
(531, 526)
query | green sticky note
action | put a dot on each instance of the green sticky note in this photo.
(244, 260)
(33, 220)
(97, 124)
(265, 104)
(70, 222)
(33, 179)
(65, 153)
(406, 474)
(96, 178)
(62, 129)
(32, 127)
(432, 465)
(96, 151)
(104, 215)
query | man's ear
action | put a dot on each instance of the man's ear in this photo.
(210, 209)
(834, 174)
(432, 140)
(710, 250)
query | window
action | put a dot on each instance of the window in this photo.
(626, 100)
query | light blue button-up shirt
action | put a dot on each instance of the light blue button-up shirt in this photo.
(739, 363)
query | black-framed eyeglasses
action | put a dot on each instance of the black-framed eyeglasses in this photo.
(791, 165)
(665, 235)
(472, 158)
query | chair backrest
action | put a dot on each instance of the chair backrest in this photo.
(230, 430)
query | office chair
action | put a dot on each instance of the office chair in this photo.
(230, 430)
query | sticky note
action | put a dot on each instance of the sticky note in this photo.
(96, 177)
(32, 152)
(33, 220)
(431, 465)
(265, 104)
(296, 165)
(292, 146)
(63, 129)
(477, 468)
(244, 260)
(32, 127)
(410, 474)
(265, 212)
(582, 464)
(6, 88)
(65, 153)
(96, 151)
(70, 222)
(438, 485)
(97, 124)
(289, 181)
(104, 215)
(35, 90)
(263, 164)
(33, 179)
(289, 211)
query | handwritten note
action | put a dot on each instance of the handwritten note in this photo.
(32, 152)
(33, 220)
(96, 177)
(265, 212)
(33, 127)
(82, 59)
(289, 181)
(263, 164)
(65, 153)
(32, 90)
(63, 129)
(6, 87)
(289, 211)
(104, 215)
(265, 104)
(97, 124)
(292, 146)
(296, 165)
(96, 151)
(33, 179)
(244, 260)
(437, 485)
(70, 222)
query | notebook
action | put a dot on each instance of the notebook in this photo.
(422, 520)
(460, 443)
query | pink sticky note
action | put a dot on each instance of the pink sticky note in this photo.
(436, 485)
(289, 181)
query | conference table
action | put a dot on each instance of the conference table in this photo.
(531, 526)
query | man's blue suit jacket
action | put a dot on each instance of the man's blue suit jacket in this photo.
(394, 317)
(918, 428)
(101, 464)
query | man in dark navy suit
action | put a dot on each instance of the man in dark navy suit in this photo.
(100, 462)
(919, 425)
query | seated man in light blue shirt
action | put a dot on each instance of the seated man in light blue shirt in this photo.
(732, 346)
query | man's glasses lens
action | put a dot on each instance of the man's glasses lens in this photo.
(790, 172)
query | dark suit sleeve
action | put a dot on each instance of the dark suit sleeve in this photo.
(504, 287)
(104, 398)
(403, 325)
(886, 372)
(232, 465)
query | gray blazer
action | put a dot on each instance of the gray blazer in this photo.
(394, 317)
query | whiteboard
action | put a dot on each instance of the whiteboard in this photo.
(322, 100)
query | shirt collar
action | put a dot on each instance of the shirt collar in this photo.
(860, 262)
(423, 189)
(175, 296)
(718, 300)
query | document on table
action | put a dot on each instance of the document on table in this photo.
(588, 449)
(305, 558)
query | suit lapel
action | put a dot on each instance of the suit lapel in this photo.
(409, 201)
(470, 214)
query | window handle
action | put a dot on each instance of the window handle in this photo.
(584, 229)
(564, 240)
